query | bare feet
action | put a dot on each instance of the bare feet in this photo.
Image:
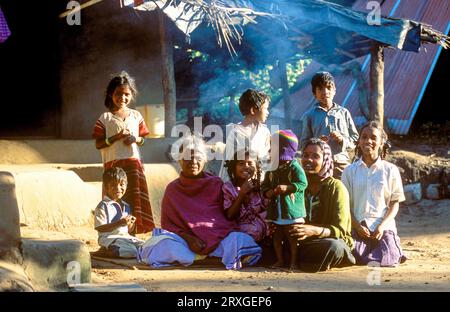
(294, 267)
(277, 265)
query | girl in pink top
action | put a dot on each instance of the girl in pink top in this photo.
(242, 199)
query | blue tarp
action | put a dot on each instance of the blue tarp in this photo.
(326, 31)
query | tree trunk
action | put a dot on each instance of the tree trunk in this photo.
(376, 105)
(285, 90)
(168, 77)
(231, 107)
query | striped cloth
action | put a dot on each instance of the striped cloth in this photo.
(4, 29)
(237, 249)
(137, 192)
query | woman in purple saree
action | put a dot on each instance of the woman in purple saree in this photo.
(193, 221)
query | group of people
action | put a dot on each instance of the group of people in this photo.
(268, 204)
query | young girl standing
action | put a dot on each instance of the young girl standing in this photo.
(117, 134)
(242, 197)
(375, 189)
(251, 133)
(285, 188)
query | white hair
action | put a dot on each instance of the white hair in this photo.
(182, 148)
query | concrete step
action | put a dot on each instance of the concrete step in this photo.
(53, 260)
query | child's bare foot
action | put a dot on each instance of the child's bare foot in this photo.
(294, 267)
(277, 265)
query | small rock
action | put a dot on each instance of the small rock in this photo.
(413, 193)
(270, 288)
(387, 281)
(432, 191)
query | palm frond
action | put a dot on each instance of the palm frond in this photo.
(428, 34)
(225, 20)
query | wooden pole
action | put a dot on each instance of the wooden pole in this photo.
(168, 76)
(376, 103)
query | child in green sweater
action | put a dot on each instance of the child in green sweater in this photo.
(285, 187)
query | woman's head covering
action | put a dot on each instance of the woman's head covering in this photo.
(327, 166)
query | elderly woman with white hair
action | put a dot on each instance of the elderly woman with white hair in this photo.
(193, 221)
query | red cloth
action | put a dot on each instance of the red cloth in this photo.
(137, 193)
(195, 207)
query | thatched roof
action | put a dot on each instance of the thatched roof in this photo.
(328, 32)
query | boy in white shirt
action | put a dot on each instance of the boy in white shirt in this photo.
(113, 219)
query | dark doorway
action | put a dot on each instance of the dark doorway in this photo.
(29, 70)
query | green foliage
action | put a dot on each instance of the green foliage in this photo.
(220, 90)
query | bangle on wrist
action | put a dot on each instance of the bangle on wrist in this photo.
(321, 235)
(141, 142)
(107, 142)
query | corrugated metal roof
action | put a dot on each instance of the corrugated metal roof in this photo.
(406, 74)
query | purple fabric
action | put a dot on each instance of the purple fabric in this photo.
(195, 207)
(386, 251)
(252, 214)
(4, 29)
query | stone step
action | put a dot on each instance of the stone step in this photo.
(54, 260)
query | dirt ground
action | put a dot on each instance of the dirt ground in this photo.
(423, 227)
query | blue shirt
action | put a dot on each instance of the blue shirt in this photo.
(317, 122)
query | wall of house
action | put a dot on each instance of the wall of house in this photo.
(109, 39)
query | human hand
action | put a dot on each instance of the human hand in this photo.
(270, 194)
(123, 133)
(303, 231)
(280, 189)
(324, 138)
(196, 244)
(336, 136)
(130, 219)
(247, 187)
(378, 233)
(363, 231)
(272, 228)
(130, 140)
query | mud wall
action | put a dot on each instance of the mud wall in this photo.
(109, 39)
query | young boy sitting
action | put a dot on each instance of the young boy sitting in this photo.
(113, 219)
(329, 122)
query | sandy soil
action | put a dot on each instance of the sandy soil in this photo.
(425, 231)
